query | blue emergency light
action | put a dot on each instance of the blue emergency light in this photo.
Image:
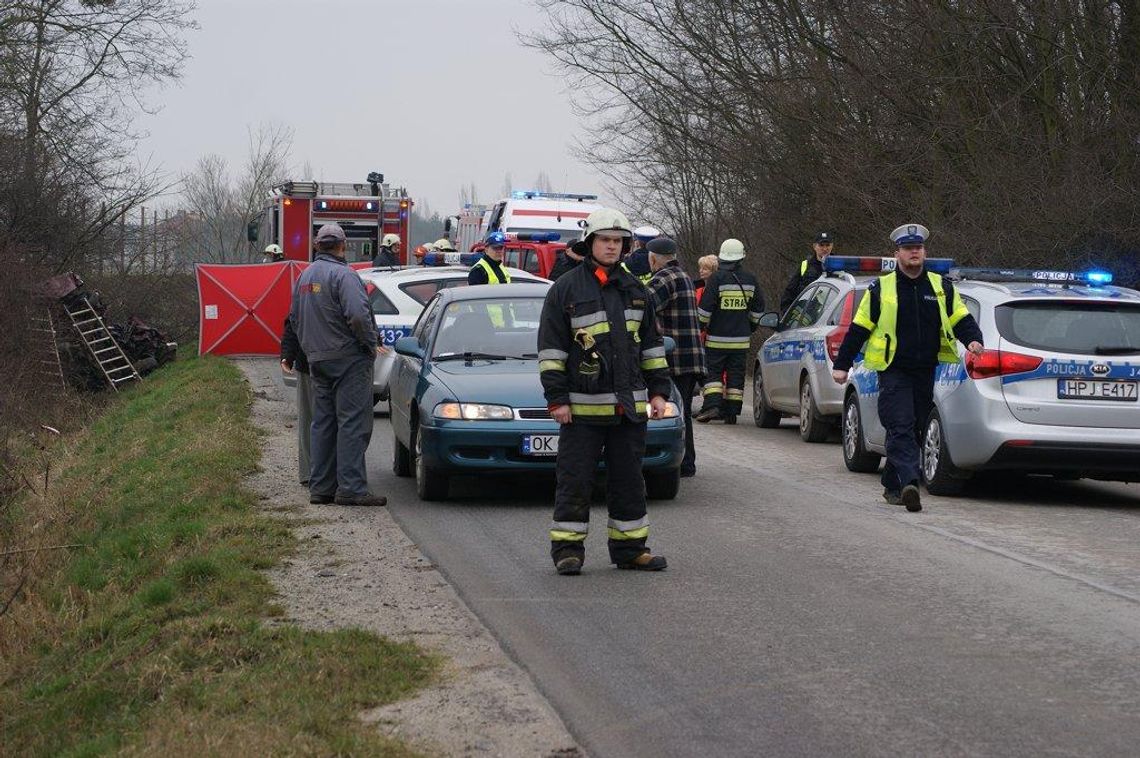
(1092, 278)
(869, 265)
(534, 195)
(451, 259)
(534, 236)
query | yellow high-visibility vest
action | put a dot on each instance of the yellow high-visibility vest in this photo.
(883, 342)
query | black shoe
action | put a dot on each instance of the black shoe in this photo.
(688, 472)
(729, 420)
(365, 499)
(571, 565)
(305, 484)
(893, 497)
(706, 416)
(911, 498)
(644, 562)
(320, 499)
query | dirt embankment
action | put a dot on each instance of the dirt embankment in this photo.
(356, 568)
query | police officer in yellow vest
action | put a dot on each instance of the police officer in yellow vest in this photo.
(908, 319)
(809, 270)
(489, 268)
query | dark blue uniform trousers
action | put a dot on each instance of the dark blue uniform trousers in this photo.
(906, 397)
(342, 425)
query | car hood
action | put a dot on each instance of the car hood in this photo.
(513, 383)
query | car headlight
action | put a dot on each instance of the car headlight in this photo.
(473, 412)
(672, 410)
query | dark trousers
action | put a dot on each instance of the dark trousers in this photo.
(728, 397)
(906, 397)
(342, 425)
(686, 383)
(579, 448)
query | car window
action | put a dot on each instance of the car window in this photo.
(844, 309)
(530, 262)
(500, 326)
(974, 307)
(511, 258)
(423, 291)
(818, 304)
(426, 318)
(796, 315)
(1083, 328)
(381, 305)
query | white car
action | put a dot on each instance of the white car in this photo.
(1056, 392)
(398, 296)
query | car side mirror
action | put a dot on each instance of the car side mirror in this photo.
(670, 344)
(771, 320)
(409, 346)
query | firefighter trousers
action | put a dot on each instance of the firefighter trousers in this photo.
(724, 389)
(906, 397)
(622, 446)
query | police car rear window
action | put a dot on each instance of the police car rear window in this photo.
(1083, 329)
(381, 305)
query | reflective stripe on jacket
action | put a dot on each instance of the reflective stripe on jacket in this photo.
(883, 342)
(730, 308)
(492, 277)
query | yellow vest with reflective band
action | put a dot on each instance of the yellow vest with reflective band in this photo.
(492, 277)
(803, 266)
(883, 342)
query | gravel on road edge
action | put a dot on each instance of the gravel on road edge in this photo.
(356, 568)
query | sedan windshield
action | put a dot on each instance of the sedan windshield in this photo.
(502, 327)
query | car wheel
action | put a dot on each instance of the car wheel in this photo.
(401, 458)
(430, 483)
(812, 426)
(663, 485)
(762, 413)
(939, 472)
(855, 454)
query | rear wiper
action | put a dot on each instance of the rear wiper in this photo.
(469, 356)
(1115, 350)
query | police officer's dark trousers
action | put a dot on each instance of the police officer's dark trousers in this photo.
(580, 446)
(342, 425)
(906, 397)
(726, 374)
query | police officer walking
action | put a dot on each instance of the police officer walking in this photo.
(388, 254)
(730, 310)
(604, 374)
(334, 324)
(489, 268)
(675, 302)
(637, 261)
(810, 269)
(908, 319)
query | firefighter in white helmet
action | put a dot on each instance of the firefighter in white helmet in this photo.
(388, 254)
(730, 309)
(272, 254)
(604, 374)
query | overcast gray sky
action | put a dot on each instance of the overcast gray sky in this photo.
(433, 93)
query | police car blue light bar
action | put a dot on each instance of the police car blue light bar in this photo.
(534, 236)
(870, 264)
(1092, 278)
(451, 259)
(534, 195)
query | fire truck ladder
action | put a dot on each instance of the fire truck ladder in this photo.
(51, 368)
(113, 362)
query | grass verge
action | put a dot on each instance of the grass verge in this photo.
(148, 637)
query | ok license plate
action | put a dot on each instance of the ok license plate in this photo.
(540, 444)
(1096, 389)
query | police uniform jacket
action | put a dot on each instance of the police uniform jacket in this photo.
(730, 308)
(599, 349)
(478, 274)
(806, 272)
(331, 313)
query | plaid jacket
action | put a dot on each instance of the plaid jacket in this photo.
(675, 302)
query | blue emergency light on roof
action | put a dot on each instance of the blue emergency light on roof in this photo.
(1092, 278)
(451, 259)
(534, 236)
(868, 265)
(534, 194)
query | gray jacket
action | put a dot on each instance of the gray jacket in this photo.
(330, 312)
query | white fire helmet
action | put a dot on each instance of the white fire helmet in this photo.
(731, 250)
(390, 239)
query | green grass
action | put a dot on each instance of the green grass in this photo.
(151, 637)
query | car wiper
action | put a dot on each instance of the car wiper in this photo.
(1116, 350)
(470, 356)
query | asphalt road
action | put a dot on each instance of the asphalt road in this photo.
(800, 615)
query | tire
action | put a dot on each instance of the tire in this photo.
(402, 464)
(938, 471)
(762, 413)
(430, 483)
(812, 426)
(855, 454)
(663, 485)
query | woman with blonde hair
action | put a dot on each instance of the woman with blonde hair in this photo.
(706, 267)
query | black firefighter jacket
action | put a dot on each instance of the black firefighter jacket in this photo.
(599, 350)
(730, 308)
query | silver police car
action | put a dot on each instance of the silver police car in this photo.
(1056, 392)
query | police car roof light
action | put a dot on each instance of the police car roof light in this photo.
(534, 236)
(534, 195)
(451, 259)
(1092, 278)
(870, 264)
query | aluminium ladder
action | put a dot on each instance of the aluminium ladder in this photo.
(112, 361)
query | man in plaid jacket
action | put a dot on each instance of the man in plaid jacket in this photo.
(675, 301)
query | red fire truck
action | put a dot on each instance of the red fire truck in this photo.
(366, 211)
(533, 252)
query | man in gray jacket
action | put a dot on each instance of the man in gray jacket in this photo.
(333, 321)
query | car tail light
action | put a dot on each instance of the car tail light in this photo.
(833, 340)
(1000, 363)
